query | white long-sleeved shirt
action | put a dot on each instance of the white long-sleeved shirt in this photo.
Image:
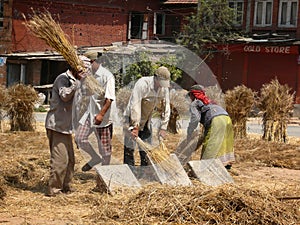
(107, 81)
(144, 99)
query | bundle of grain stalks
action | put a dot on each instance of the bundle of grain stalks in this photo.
(276, 104)
(160, 155)
(3, 100)
(179, 105)
(123, 96)
(215, 94)
(20, 107)
(239, 103)
(44, 27)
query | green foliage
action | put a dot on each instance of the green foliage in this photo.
(214, 23)
(146, 66)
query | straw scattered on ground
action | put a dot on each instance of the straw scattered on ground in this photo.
(258, 196)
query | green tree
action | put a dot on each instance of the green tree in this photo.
(214, 23)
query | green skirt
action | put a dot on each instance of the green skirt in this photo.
(219, 140)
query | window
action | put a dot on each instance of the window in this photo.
(138, 26)
(238, 7)
(287, 16)
(263, 13)
(1, 13)
(159, 23)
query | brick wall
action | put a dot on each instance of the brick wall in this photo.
(87, 23)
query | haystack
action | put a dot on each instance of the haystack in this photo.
(239, 103)
(276, 103)
(20, 107)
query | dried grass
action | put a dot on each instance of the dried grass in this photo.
(123, 96)
(43, 26)
(160, 155)
(215, 93)
(3, 100)
(20, 107)
(276, 103)
(25, 170)
(239, 103)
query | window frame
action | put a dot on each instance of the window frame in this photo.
(163, 23)
(288, 13)
(238, 13)
(264, 14)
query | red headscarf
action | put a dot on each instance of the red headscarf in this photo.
(201, 96)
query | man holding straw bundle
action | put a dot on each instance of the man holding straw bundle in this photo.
(97, 116)
(147, 93)
(59, 131)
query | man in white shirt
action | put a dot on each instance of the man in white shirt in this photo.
(98, 117)
(148, 92)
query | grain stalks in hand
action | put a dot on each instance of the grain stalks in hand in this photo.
(44, 27)
(160, 155)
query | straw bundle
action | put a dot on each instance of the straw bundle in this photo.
(123, 96)
(20, 107)
(159, 155)
(179, 105)
(3, 100)
(44, 27)
(239, 103)
(215, 93)
(276, 103)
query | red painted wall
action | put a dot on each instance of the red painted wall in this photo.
(255, 65)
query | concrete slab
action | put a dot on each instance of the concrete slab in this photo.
(115, 177)
(210, 172)
(171, 172)
(185, 150)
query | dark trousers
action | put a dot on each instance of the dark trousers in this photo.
(129, 145)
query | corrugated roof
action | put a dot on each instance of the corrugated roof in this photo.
(181, 2)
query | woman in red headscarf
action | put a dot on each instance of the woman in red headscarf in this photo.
(218, 132)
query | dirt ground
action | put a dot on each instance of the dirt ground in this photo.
(260, 166)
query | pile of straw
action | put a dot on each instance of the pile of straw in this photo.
(276, 104)
(253, 199)
(239, 103)
(20, 107)
(44, 27)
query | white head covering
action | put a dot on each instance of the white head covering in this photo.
(163, 76)
(86, 62)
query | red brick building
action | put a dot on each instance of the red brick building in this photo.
(271, 51)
